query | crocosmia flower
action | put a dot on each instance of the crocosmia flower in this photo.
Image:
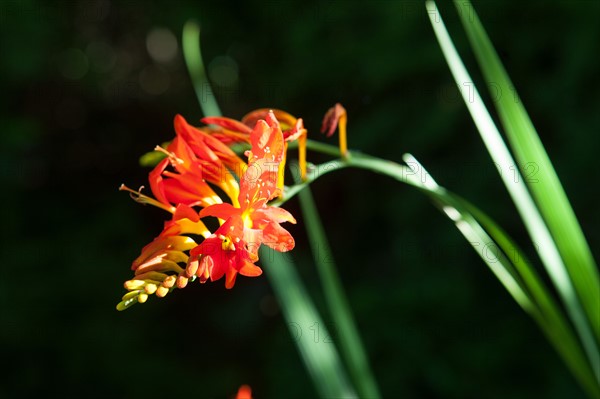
(225, 253)
(198, 164)
(260, 183)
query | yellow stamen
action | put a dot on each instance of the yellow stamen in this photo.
(302, 154)
(281, 170)
(342, 134)
(137, 196)
(171, 155)
(227, 245)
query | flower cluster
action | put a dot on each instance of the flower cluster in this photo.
(198, 165)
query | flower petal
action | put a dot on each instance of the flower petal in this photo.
(230, 278)
(278, 238)
(227, 123)
(267, 140)
(222, 211)
(157, 183)
(276, 214)
(185, 212)
(250, 270)
(287, 120)
(332, 118)
(295, 132)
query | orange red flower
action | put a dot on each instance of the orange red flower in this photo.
(197, 162)
(197, 159)
(198, 165)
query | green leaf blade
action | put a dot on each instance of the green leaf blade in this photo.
(547, 190)
(320, 358)
(350, 343)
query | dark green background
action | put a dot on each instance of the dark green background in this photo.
(434, 320)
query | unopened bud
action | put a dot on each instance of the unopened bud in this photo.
(191, 268)
(150, 288)
(161, 291)
(130, 295)
(182, 281)
(131, 285)
(169, 282)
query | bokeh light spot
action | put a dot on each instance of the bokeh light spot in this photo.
(161, 44)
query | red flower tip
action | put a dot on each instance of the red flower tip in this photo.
(245, 392)
(287, 121)
(295, 132)
(179, 122)
(267, 140)
(332, 118)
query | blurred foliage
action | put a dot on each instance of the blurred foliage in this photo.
(90, 86)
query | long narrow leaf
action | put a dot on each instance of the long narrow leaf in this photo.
(319, 355)
(508, 264)
(549, 317)
(349, 340)
(535, 224)
(195, 65)
(546, 187)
